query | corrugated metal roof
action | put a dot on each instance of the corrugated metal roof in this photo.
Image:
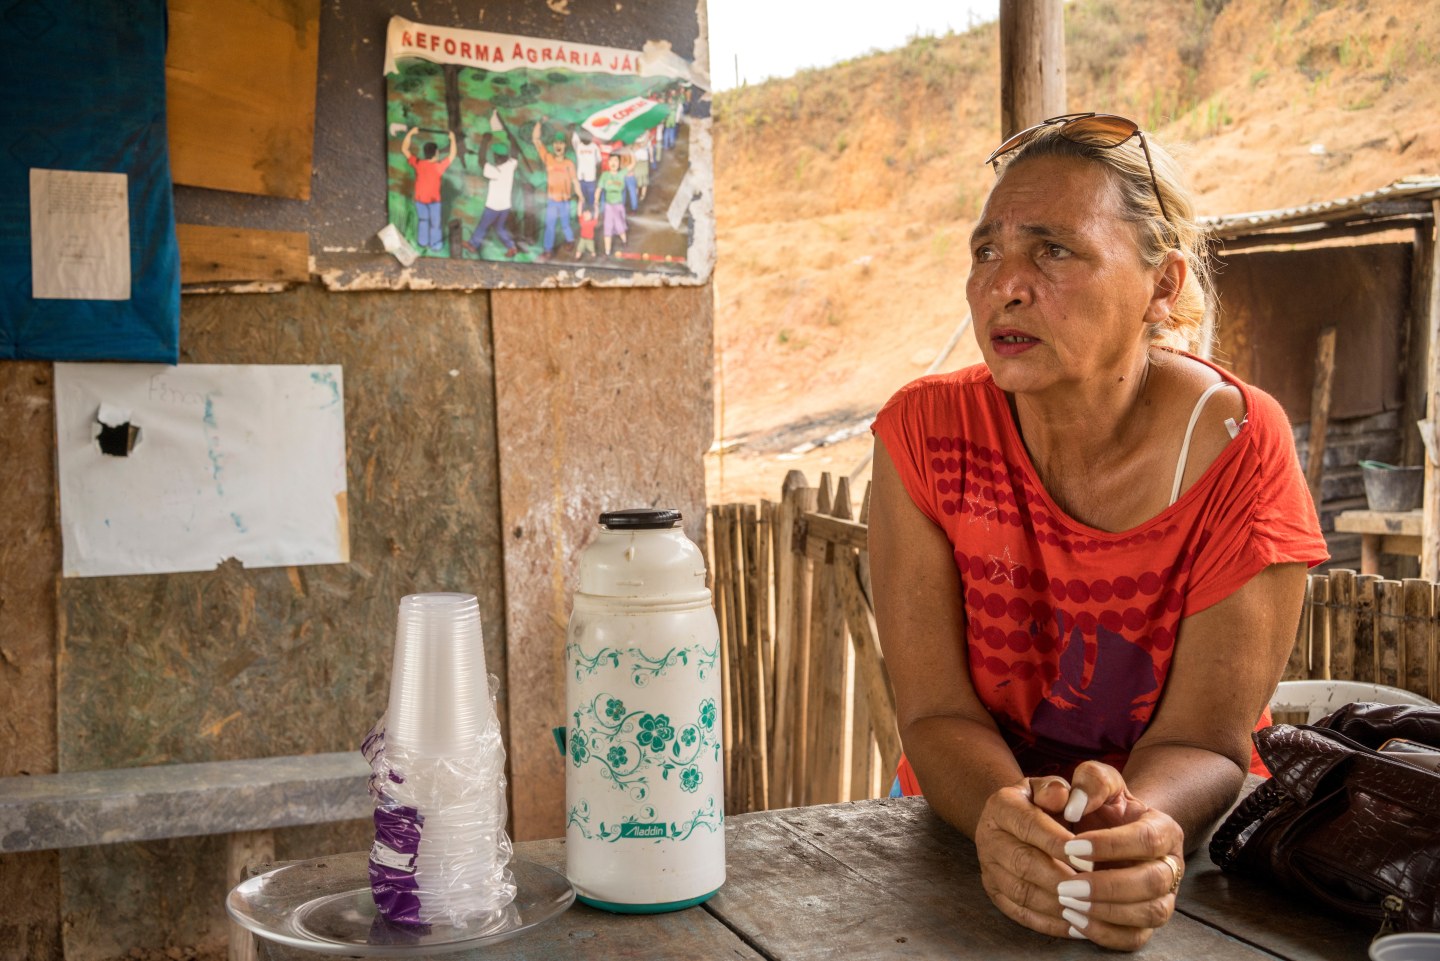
(1397, 198)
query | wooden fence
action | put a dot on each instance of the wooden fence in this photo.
(809, 713)
(1358, 627)
(810, 717)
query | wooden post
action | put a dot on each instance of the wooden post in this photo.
(1430, 543)
(1416, 632)
(827, 722)
(1364, 650)
(791, 603)
(1032, 62)
(1389, 606)
(245, 850)
(1341, 666)
(1320, 412)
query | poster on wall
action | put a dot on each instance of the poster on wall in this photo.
(530, 151)
(166, 469)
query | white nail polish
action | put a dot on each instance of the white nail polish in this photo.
(1075, 903)
(1075, 808)
(1080, 864)
(1076, 918)
(1077, 935)
(1073, 888)
(1080, 848)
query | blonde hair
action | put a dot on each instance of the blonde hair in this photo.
(1188, 324)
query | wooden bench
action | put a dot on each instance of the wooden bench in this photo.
(1382, 532)
(244, 800)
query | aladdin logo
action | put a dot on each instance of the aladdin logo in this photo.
(636, 830)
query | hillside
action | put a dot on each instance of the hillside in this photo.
(844, 196)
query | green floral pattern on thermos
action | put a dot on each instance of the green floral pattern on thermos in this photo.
(631, 744)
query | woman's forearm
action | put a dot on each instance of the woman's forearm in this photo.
(960, 763)
(1193, 785)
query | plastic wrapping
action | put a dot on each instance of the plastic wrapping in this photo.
(441, 853)
(438, 773)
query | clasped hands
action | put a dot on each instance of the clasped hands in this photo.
(1081, 859)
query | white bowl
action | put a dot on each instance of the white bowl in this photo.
(1415, 946)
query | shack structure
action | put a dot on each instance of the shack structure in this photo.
(1334, 308)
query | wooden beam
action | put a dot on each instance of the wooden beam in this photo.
(232, 254)
(1032, 62)
(1430, 550)
(1320, 411)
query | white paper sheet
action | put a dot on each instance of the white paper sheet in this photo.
(79, 235)
(230, 461)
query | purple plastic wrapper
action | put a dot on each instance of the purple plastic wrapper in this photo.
(400, 825)
(392, 862)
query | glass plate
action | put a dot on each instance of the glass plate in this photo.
(324, 905)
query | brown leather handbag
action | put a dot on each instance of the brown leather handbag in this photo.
(1353, 828)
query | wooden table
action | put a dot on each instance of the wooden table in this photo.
(1382, 532)
(888, 879)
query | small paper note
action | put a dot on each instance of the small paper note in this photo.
(79, 235)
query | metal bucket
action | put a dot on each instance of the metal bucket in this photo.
(1391, 488)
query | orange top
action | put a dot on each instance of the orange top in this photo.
(427, 178)
(559, 177)
(1070, 629)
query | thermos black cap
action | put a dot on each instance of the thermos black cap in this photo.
(640, 519)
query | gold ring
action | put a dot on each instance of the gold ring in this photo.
(1173, 863)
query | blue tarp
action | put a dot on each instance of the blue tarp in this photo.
(82, 87)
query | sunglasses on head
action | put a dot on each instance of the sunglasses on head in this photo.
(1096, 129)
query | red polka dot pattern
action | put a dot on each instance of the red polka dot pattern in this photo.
(1070, 631)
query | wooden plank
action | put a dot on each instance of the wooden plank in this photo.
(1433, 670)
(1365, 636)
(790, 610)
(888, 879)
(871, 677)
(1416, 636)
(1341, 666)
(1389, 606)
(1407, 523)
(29, 566)
(1320, 411)
(219, 254)
(240, 94)
(574, 416)
(585, 932)
(833, 530)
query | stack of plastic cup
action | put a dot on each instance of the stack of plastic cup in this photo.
(441, 771)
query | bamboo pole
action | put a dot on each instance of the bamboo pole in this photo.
(1342, 631)
(1389, 606)
(1416, 636)
(791, 604)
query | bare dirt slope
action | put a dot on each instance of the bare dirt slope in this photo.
(845, 196)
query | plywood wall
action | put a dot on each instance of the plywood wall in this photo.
(603, 403)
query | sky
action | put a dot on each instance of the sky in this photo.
(776, 38)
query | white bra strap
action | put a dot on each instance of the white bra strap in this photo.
(1189, 430)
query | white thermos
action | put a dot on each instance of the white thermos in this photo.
(644, 792)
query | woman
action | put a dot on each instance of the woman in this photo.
(1089, 552)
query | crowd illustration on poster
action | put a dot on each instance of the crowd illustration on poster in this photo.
(522, 150)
